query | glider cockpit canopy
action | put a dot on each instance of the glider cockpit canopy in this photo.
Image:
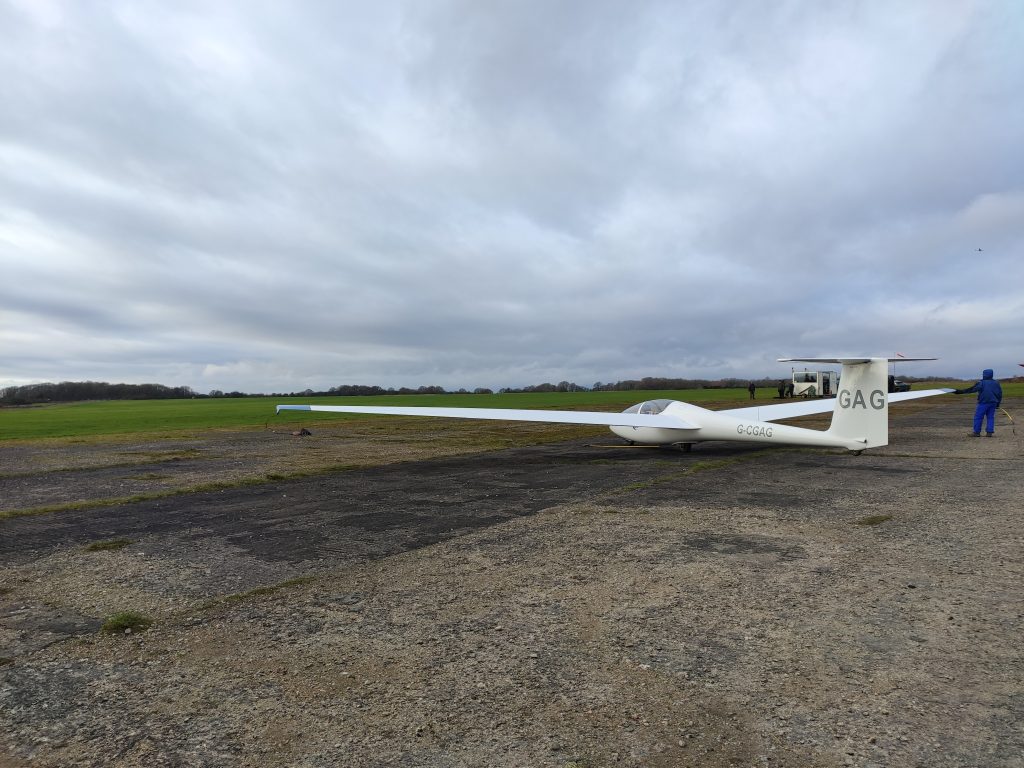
(651, 407)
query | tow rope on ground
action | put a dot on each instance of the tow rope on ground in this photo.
(1013, 424)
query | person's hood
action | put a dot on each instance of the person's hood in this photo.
(987, 373)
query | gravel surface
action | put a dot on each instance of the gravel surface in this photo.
(550, 605)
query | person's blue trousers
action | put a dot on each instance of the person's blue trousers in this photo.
(985, 411)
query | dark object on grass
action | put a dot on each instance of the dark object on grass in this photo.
(103, 546)
(873, 520)
(302, 433)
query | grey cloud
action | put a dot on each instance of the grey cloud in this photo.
(268, 197)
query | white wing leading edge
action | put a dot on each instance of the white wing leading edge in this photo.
(808, 407)
(597, 418)
(852, 360)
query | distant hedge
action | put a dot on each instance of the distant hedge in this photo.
(76, 391)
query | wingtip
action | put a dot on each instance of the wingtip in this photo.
(291, 408)
(853, 360)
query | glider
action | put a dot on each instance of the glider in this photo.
(860, 414)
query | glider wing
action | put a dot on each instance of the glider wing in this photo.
(897, 397)
(599, 418)
(852, 360)
(808, 407)
(783, 410)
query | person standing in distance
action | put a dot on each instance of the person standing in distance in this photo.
(990, 395)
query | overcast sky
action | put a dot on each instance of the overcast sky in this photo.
(269, 196)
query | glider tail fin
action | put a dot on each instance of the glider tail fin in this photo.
(862, 405)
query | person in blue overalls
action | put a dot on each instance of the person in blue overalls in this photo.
(990, 395)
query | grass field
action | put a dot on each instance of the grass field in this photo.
(114, 417)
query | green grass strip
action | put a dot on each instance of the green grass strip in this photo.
(108, 546)
(177, 417)
(202, 488)
(873, 520)
(692, 469)
(126, 620)
(239, 597)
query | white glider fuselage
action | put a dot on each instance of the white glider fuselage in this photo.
(715, 425)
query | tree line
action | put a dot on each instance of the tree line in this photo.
(74, 391)
(647, 383)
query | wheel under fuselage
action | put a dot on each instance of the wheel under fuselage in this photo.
(655, 435)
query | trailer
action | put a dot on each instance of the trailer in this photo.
(815, 383)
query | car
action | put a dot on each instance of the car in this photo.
(895, 385)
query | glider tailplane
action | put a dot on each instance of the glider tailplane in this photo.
(862, 406)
